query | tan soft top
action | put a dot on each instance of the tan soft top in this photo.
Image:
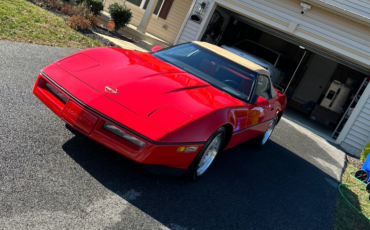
(234, 57)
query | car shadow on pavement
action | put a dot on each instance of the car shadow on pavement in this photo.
(245, 188)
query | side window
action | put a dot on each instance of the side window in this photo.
(263, 88)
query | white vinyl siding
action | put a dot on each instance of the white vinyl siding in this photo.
(174, 21)
(144, 3)
(359, 134)
(190, 31)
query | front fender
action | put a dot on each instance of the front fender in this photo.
(201, 129)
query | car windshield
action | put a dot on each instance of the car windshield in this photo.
(218, 71)
(258, 51)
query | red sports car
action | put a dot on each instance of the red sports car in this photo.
(170, 110)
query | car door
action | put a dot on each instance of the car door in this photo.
(264, 89)
(258, 118)
(274, 103)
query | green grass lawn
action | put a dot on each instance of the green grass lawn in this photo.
(22, 21)
(346, 218)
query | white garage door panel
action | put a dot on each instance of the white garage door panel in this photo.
(308, 45)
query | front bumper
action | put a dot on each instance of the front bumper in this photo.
(157, 157)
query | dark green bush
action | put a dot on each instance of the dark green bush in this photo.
(95, 6)
(120, 14)
(365, 152)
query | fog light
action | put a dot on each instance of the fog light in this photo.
(122, 134)
(187, 149)
(181, 149)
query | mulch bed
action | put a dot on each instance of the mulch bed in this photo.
(90, 33)
(354, 161)
(113, 34)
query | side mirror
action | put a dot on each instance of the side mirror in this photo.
(155, 48)
(262, 102)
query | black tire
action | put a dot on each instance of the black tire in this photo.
(259, 141)
(362, 175)
(191, 172)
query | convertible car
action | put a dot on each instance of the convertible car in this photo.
(171, 110)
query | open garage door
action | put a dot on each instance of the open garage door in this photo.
(325, 86)
(309, 46)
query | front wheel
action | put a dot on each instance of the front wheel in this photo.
(261, 140)
(206, 156)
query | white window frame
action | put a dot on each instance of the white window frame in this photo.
(143, 3)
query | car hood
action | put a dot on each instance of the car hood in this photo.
(153, 89)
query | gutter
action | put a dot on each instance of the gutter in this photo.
(342, 12)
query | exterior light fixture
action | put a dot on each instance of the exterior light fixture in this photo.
(305, 7)
(199, 10)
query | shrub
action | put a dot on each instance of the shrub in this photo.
(365, 152)
(67, 9)
(81, 10)
(77, 22)
(93, 20)
(96, 6)
(120, 14)
(52, 4)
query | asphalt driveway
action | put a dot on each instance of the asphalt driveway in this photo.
(54, 178)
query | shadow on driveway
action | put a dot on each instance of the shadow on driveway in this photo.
(272, 188)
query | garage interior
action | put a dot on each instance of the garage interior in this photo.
(322, 88)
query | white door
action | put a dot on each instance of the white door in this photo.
(315, 79)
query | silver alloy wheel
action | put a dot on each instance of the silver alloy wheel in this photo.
(209, 155)
(268, 132)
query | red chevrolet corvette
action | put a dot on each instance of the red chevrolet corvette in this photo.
(170, 110)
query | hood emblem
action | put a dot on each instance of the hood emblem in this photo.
(111, 90)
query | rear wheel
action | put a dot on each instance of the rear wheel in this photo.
(206, 155)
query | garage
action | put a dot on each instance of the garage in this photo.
(326, 87)
(322, 88)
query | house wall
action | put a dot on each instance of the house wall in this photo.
(191, 30)
(174, 20)
(356, 133)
